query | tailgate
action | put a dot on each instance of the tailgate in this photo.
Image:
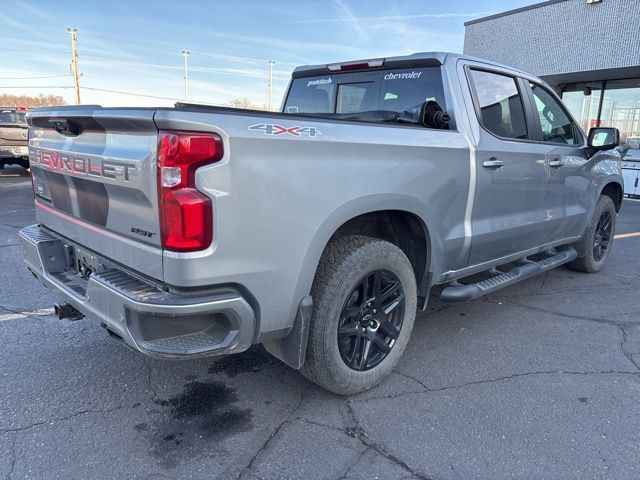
(13, 128)
(13, 135)
(94, 178)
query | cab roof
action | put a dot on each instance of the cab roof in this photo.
(420, 59)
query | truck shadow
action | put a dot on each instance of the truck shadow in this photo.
(13, 171)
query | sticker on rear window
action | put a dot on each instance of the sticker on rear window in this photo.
(320, 81)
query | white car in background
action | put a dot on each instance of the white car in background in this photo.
(633, 154)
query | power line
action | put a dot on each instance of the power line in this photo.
(36, 78)
(174, 99)
(31, 49)
(134, 94)
(145, 95)
(35, 86)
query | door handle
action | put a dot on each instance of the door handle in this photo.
(556, 163)
(493, 162)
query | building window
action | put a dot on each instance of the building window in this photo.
(621, 107)
(618, 105)
(583, 101)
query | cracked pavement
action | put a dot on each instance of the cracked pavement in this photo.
(540, 380)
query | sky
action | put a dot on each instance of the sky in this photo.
(134, 46)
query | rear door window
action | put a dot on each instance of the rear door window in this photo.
(391, 90)
(500, 104)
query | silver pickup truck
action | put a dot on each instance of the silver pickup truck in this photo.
(13, 137)
(320, 230)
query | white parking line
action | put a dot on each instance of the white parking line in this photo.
(43, 312)
(627, 235)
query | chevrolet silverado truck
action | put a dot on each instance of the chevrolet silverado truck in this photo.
(13, 137)
(317, 231)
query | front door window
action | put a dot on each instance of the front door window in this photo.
(555, 124)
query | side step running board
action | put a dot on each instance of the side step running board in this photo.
(458, 292)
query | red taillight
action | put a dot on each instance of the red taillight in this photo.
(186, 216)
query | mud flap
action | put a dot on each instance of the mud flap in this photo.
(293, 348)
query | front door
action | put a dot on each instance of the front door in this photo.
(511, 170)
(568, 197)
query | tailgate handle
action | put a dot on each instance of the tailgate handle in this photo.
(65, 127)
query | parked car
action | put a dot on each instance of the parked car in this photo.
(13, 137)
(630, 151)
(320, 230)
(632, 147)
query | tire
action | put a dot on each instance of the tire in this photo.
(347, 271)
(593, 260)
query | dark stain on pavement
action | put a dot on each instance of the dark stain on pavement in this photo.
(251, 361)
(141, 427)
(204, 413)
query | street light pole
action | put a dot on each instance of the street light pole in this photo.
(271, 64)
(185, 54)
(74, 60)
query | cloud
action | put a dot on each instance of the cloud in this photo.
(356, 20)
(348, 17)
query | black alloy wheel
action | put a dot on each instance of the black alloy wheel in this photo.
(370, 320)
(602, 238)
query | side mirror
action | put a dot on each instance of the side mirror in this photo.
(601, 138)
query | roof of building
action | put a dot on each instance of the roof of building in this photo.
(514, 11)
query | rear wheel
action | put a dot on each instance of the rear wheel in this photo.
(598, 238)
(365, 299)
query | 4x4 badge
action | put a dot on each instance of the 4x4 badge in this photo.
(296, 130)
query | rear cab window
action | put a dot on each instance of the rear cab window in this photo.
(10, 116)
(395, 90)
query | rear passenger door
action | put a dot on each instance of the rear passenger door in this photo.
(510, 168)
(567, 199)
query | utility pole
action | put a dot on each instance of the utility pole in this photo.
(271, 64)
(74, 60)
(185, 54)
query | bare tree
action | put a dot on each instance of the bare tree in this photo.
(244, 103)
(7, 100)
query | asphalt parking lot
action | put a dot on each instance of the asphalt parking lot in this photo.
(541, 381)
